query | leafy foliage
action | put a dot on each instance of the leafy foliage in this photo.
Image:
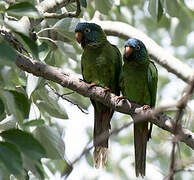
(30, 111)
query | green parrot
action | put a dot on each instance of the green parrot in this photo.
(101, 65)
(138, 83)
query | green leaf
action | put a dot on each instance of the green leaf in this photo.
(60, 165)
(89, 159)
(83, 3)
(51, 141)
(2, 107)
(5, 174)
(25, 142)
(11, 158)
(36, 122)
(34, 166)
(22, 103)
(156, 10)
(8, 123)
(179, 35)
(53, 111)
(66, 27)
(7, 53)
(103, 6)
(71, 7)
(66, 49)
(31, 1)
(9, 101)
(31, 44)
(23, 9)
(173, 8)
(32, 83)
(47, 101)
(43, 51)
(2, 6)
(22, 26)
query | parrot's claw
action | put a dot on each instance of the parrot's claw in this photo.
(92, 85)
(146, 107)
(107, 89)
(120, 98)
(100, 154)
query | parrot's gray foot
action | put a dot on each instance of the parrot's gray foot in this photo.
(107, 89)
(120, 98)
(100, 154)
(92, 85)
(145, 107)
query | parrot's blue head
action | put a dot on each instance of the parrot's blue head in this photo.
(89, 34)
(136, 51)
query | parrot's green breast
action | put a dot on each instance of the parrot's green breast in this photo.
(102, 66)
(134, 83)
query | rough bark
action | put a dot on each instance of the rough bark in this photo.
(124, 106)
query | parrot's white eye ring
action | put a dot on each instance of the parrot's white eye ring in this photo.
(87, 30)
(137, 47)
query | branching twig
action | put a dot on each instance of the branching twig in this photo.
(66, 14)
(66, 99)
(52, 5)
(138, 118)
(13, 41)
(184, 169)
(97, 93)
(181, 106)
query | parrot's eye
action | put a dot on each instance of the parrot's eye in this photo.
(87, 30)
(137, 48)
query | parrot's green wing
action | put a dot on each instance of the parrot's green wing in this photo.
(152, 86)
(152, 82)
(118, 67)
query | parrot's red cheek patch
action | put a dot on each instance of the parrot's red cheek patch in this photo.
(78, 37)
(128, 51)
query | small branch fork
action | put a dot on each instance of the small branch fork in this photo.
(13, 41)
(65, 15)
(181, 106)
(66, 99)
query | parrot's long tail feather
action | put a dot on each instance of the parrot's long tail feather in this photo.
(100, 154)
(140, 140)
(101, 135)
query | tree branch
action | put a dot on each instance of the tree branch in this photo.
(52, 5)
(66, 99)
(64, 15)
(181, 106)
(156, 52)
(111, 100)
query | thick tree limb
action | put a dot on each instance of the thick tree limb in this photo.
(57, 75)
(156, 52)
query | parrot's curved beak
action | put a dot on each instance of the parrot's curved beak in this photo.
(78, 37)
(128, 51)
